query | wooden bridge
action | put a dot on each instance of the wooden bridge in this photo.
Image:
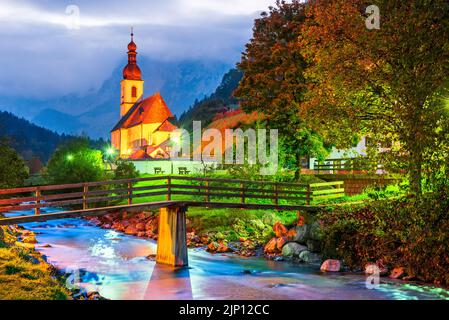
(172, 195)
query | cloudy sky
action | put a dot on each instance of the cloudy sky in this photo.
(55, 47)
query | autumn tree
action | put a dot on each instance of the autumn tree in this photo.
(388, 83)
(274, 82)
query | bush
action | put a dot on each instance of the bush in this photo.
(75, 162)
(409, 232)
(125, 170)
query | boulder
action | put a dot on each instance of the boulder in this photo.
(31, 239)
(131, 230)
(140, 226)
(291, 234)
(280, 242)
(270, 247)
(313, 245)
(309, 257)
(301, 234)
(213, 247)
(222, 248)
(397, 273)
(315, 231)
(279, 229)
(372, 268)
(292, 249)
(331, 265)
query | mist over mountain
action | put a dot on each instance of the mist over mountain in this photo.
(180, 83)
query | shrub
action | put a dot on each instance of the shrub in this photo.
(125, 170)
(409, 232)
(75, 162)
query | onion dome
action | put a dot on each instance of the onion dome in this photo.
(132, 70)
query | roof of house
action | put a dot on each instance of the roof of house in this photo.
(167, 126)
(139, 155)
(150, 110)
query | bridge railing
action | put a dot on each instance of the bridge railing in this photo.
(194, 189)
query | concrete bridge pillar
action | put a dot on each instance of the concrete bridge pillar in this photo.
(172, 238)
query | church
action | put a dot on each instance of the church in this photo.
(146, 127)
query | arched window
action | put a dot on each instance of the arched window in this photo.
(134, 92)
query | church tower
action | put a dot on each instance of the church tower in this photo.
(132, 83)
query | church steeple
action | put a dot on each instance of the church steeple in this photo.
(132, 70)
(132, 83)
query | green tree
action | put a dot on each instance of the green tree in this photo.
(274, 82)
(386, 83)
(75, 162)
(125, 170)
(13, 170)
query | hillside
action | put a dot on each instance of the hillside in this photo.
(219, 102)
(29, 139)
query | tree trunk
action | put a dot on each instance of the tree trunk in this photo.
(298, 166)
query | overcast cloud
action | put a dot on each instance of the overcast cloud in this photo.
(45, 52)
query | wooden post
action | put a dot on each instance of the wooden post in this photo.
(242, 186)
(309, 194)
(85, 191)
(276, 194)
(37, 210)
(207, 191)
(130, 193)
(172, 238)
(168, 188)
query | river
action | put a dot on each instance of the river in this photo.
(116, 265)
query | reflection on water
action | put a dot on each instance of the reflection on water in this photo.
(116, 265)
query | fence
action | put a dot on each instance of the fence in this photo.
(201, 190)
(348, 165)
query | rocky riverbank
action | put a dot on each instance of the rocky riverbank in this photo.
(300, 243)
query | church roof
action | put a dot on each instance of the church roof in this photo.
(167, 126)
(150, 110)
(139, 155)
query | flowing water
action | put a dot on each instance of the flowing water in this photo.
(116, 265)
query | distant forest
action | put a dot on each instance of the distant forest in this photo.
(220, 101)
(30, 140)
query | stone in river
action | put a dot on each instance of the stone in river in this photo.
(310, 257)
(331, 265)
(292, 249)
(397, 273)
(301, 234)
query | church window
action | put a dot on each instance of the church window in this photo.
(134, 92)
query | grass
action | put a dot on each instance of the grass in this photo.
(23, 273)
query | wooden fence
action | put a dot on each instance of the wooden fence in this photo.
(204, 190)
(347, 165)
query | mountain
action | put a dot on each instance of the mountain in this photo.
(30, 140)
(221, 101)
(180, 83)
